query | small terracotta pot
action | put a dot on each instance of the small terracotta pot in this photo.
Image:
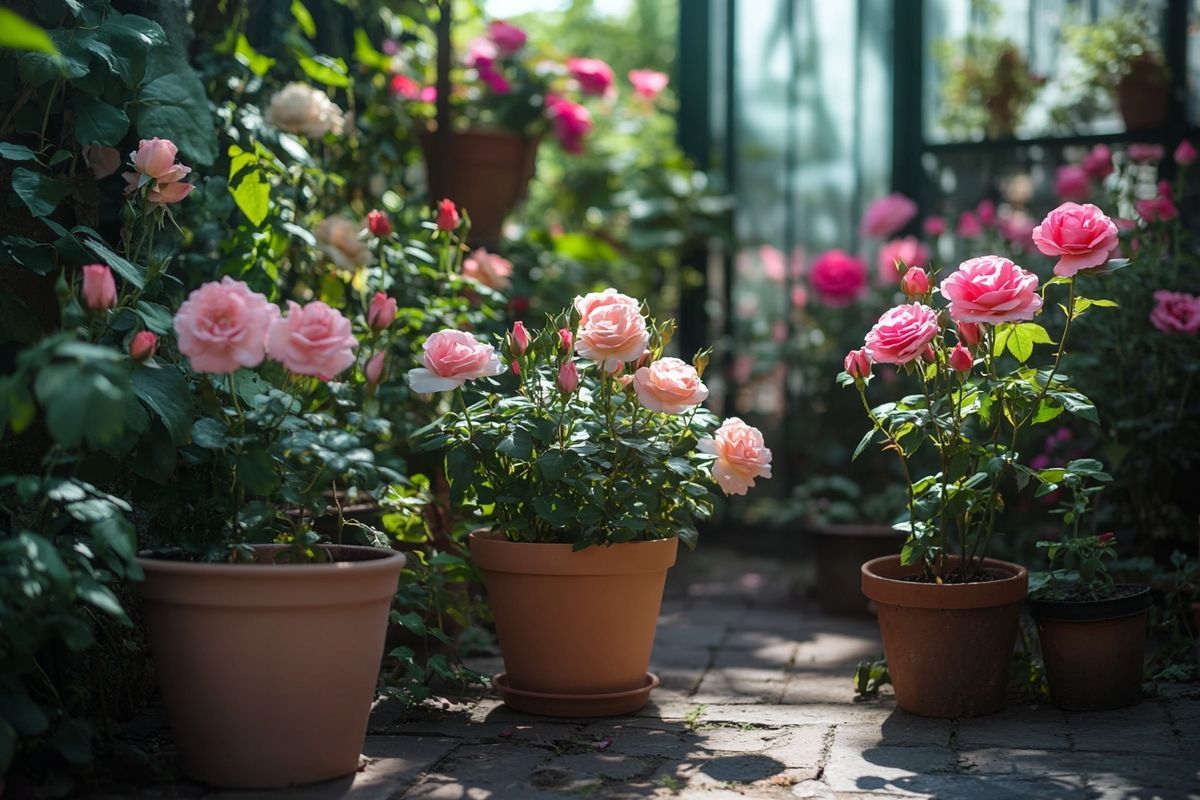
(268, 671)
(574, 624)
(840, 551)
(1142, 95)
(1094, 650)
(947, 646)
(488, 174)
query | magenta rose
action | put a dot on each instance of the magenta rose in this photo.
(312, 340)
(222, 326)
(991, 289)
(887, 215)
(571, 121)
(1081, 235)
(1071, 182)
(508, 37)
(838, 278)
(1175, 312)
(594, 76)
(902, 334)
(969, 226)
(1098, 163)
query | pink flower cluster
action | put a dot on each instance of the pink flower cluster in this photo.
(224, 326)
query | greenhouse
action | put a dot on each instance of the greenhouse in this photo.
(698, 399)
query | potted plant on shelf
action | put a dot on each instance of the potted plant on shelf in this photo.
(948, 613)
(583, 472)
(1120, 56)
(267, 642)
(845, 527)
(1092, 630)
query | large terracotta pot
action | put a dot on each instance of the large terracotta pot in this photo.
(840, 551)
(487, 172)
(1142, 95)
(947, 646)
(1094, 650)
(576, 627)
(268, 671)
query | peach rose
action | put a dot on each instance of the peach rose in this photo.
(902, 334)
(452, 358)
(338, 238)
(299, 108)
(991, 289)
(489, 269)
(741, 456)
(222, 326)
(589, 302)
(312, 340)
(612, 334)
(154, 162)
(669, 386)
(1080, 234)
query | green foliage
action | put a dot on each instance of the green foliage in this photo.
(1083, 575)
(1110, 48)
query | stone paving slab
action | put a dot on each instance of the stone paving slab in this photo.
(757, 702)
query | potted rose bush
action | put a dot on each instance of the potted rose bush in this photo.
(947, 612)
(583, 470)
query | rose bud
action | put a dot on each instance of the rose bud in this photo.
(857, 363)
(969, 333)
(516, 368)
(378, 223)
(568, 377)
(382, 312)
(520, 338)
(915, 282)
(567, 340)
(374, 368)
(961, 359)
(143, 345)
(99, 288)
(447, 216)
(928, 355)
(1107, 537)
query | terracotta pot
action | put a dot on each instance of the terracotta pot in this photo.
(840, 551)
(1142, 95)
(574, 624)
(488, 174)
(1094, 650)
(268, 671)
(947, 646)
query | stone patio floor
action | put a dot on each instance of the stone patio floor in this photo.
(756, 701)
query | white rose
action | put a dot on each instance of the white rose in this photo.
(299, 108)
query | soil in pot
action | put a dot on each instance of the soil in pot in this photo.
(574, 625)
(840, 551)
(1094, 650)
(947, 646)
(268, 671)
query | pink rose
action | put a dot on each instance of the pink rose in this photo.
(508, 37)
(568, 377)
(520, 338)
(374, 369)
(908, 251)
(887, 215)
(961, 359)
(612, 334)
(594, 76)
(482, 52)
(986, 211)
(934, 226)
(902, 334)
(143, 345)
(452, 358)
(154, 161)
(915, 283)
(571, 121)
(1017, 230)
(99, 287)
(1080, 234)
(406, 87)
(969, 333)
(857, 363)
(312, 340)
(1143, 153)
(969, 226)
(222, 326)
(495, 81)
(669, 386)
(647, 82)
(489, 269)
(1160, 208)
(741, 455)
(1175, 312)
(991, 289)
(838, 278)
(447, 215)
(382, 312)
(1185, 153)
(1098, 163)
(1071, 182)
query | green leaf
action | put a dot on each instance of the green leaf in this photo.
(210, 434)
(517, 445)
(1022, 337)
(157, 318)
(17, 152)
(304, 19)
(40, 193)
(173, 104)
(97, 122)
(127, 270)
(256, 471)
(326, 70)
(1077, 404)
(862, 444)
(249, 186)
(253, 60)
(80, 403)
(18, 33)
(165, 392)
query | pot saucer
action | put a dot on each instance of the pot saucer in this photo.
(575, 705)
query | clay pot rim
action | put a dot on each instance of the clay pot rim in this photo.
(879, 584)
(381, 561)
(1112, 608)
(491, 551)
